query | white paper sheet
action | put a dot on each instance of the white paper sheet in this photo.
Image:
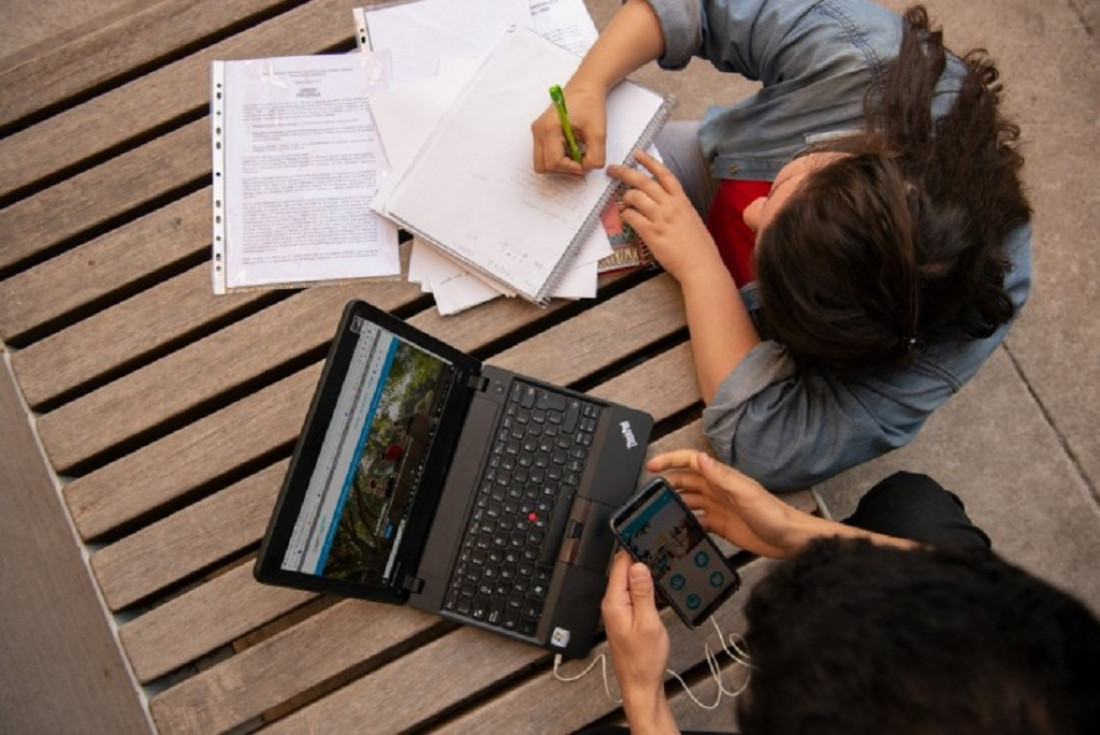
(456, 289)
(565, 22)
(406, 115)
(296, 157)
(471, 188)
(418, 33)
(408, 112)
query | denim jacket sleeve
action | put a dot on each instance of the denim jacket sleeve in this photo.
(815, 59)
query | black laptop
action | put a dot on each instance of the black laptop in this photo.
(423, 477)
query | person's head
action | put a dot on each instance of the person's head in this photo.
(854, 638)
(874, 244)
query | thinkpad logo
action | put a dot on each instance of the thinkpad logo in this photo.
(628, 434)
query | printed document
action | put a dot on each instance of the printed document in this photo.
(296, 162)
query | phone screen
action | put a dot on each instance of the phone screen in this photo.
(689, 569)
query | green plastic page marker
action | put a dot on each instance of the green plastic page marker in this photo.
(563, 117)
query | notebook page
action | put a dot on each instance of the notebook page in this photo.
(472, 190)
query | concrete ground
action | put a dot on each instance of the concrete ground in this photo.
(1019, 443)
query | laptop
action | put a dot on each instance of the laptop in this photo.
(423, 477)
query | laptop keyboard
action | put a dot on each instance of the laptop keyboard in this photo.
(522, 505)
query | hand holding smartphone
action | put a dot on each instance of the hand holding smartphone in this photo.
(690, 571)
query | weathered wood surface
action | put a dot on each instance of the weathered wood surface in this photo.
(169, 414)
(102, 48)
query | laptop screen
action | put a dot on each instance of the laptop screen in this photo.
(364, 485)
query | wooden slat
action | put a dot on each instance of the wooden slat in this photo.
(690, 717)
(651, 311)
(104, 265)
(421, 685)
(158, 98)
(41, 27)
(118, 335)
(191, 457)
(666, 380)
(224, 697)
(200, 535)
(108, 45)
(181, 380)
(214, 614)
(96, 196)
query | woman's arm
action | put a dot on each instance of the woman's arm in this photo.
(630, 40)
(722, 332)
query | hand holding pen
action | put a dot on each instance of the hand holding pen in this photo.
(583, 119)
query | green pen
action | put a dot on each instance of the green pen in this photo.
(563, 117)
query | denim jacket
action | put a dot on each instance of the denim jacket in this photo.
(788, 428)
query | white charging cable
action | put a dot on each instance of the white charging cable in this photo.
(733, 648)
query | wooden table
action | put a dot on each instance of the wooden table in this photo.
(168, 414)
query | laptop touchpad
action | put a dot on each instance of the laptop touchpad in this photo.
(588, 539)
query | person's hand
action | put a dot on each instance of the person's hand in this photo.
(639, 643)
(588, 119)
(735, 506)
(663, 216)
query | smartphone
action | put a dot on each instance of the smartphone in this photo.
(691, 573)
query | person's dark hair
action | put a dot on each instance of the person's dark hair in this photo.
(854, 638)
(899, 242)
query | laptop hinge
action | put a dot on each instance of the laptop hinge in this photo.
(478, 383)
(413, 585)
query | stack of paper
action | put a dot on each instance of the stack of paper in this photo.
(307, 151)
(434, 47)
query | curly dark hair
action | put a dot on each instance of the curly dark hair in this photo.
(854, 638)
(901, 240)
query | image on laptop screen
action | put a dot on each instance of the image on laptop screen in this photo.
(364, 485)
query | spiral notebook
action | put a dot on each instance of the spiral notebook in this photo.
(472, 191)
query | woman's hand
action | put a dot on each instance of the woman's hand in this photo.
(588, 119)
(629, 41)
(660, 212)
(639, 645)
(735, 506)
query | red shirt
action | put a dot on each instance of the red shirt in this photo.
(733, 237)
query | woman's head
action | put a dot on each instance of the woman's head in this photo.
(888, 239)
(837, 264)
